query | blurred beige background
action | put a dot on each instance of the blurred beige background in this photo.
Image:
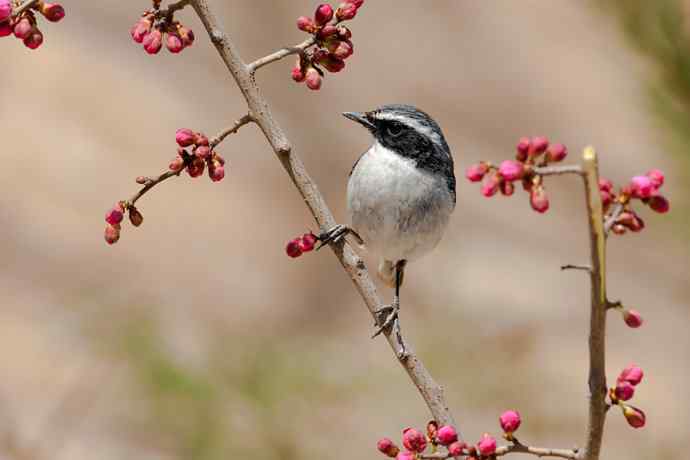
(196, 338)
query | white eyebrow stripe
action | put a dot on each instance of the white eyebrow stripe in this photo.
(411, 123)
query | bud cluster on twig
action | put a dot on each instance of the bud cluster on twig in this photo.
(157, 27)
(332, 42)
(624, 390)
(24, 26)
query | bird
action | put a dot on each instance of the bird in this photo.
(400, 195)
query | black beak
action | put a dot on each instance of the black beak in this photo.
(360, 118)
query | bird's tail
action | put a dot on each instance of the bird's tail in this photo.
(387, 273)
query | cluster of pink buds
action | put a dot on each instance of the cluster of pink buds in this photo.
(643, 188)
(624, 390)
(415, 443)
(25, 25)
(114, 218)
(333, 43)
(531, 154)
(201, 156)
(298, 246)
(156, 28)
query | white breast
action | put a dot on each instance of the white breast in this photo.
(399, 210)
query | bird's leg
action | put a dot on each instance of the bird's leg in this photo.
(392, 311)
(336, 234)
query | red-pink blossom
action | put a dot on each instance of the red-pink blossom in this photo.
(313, 79)
(306, 24)
(624, 390)
(135, 216)
(22, 28)
(475, 173)
(447, 435)
(53, 12)
(486, 445)
(184, 137)
(510, 421)
(177, 164)
(323, 14)
(112, 233)
(490, 185)
(523, 148)
(307, 242)
(556, 152)
(642, 186)
(511, 170)
(346, 11)
(115, 215)
(140, 30)
(153, 41)
(605, 185)
(506, 188)
(406, 455)
(632, 374)
(635, 417)
(659, 204)
(656, 176)
(538, 145)
(538, 199)
(186, 35)
(293, 248)
(34, 39)
(414, 440)
(632, 318)
(5, 10)
(387, 447)
(5, 29)
(456, 448)
(174, 43)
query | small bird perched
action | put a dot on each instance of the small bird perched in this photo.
(400, 194)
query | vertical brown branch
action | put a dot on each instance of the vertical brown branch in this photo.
(597, 332)
(351, 262)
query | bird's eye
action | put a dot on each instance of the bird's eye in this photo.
(394, 129)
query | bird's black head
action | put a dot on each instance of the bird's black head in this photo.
(410, 133)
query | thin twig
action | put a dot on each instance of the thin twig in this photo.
(597, 326)
(152, 182)
(514, 448)
(586, 268)
(558, 170)
(172, 8)
(613, 216)
(23, 7)
(351, 262)
(280, 54)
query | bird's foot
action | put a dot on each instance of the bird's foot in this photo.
(388, 319)
(336, 234)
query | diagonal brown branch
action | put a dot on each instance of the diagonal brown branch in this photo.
(351, 262)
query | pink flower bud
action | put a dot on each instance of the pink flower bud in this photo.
(5, 28)
(656, 176)
(306, 24)
(342, 49)
(53, 12)
(186, 35)
(447, 435)
(202, 152)
(329, 61)
(5, 10)
(135, 216)
(659, 204)
(323, 14)
(632, 318)
(486, 445)
(511, 170)
(112, 233)
(456, 448)
(216, 171)
(174, 43)
(624, 390)
(605, 185)
(634, 416)
(142, 180)
(406, 455)
(490, 185)
(307, 242)
(556, 152)
(539, 144)
(327, 31)
(387, 447)
(176, 165)
(642, 186)
(34, 39)
(313, 79)
(293, 248)
(153, 41)
(298, 74)
(196, 167)
(414, 440)
(538, 199)
(506, 188)
(476, 172)
(184, 137)
(22, 28)
(140, 30)
(356, 3)
(115, 215)
(632, 374)
(510, 421)
(606, 198)
(201, 140)
(523, 148)
(346, 11)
